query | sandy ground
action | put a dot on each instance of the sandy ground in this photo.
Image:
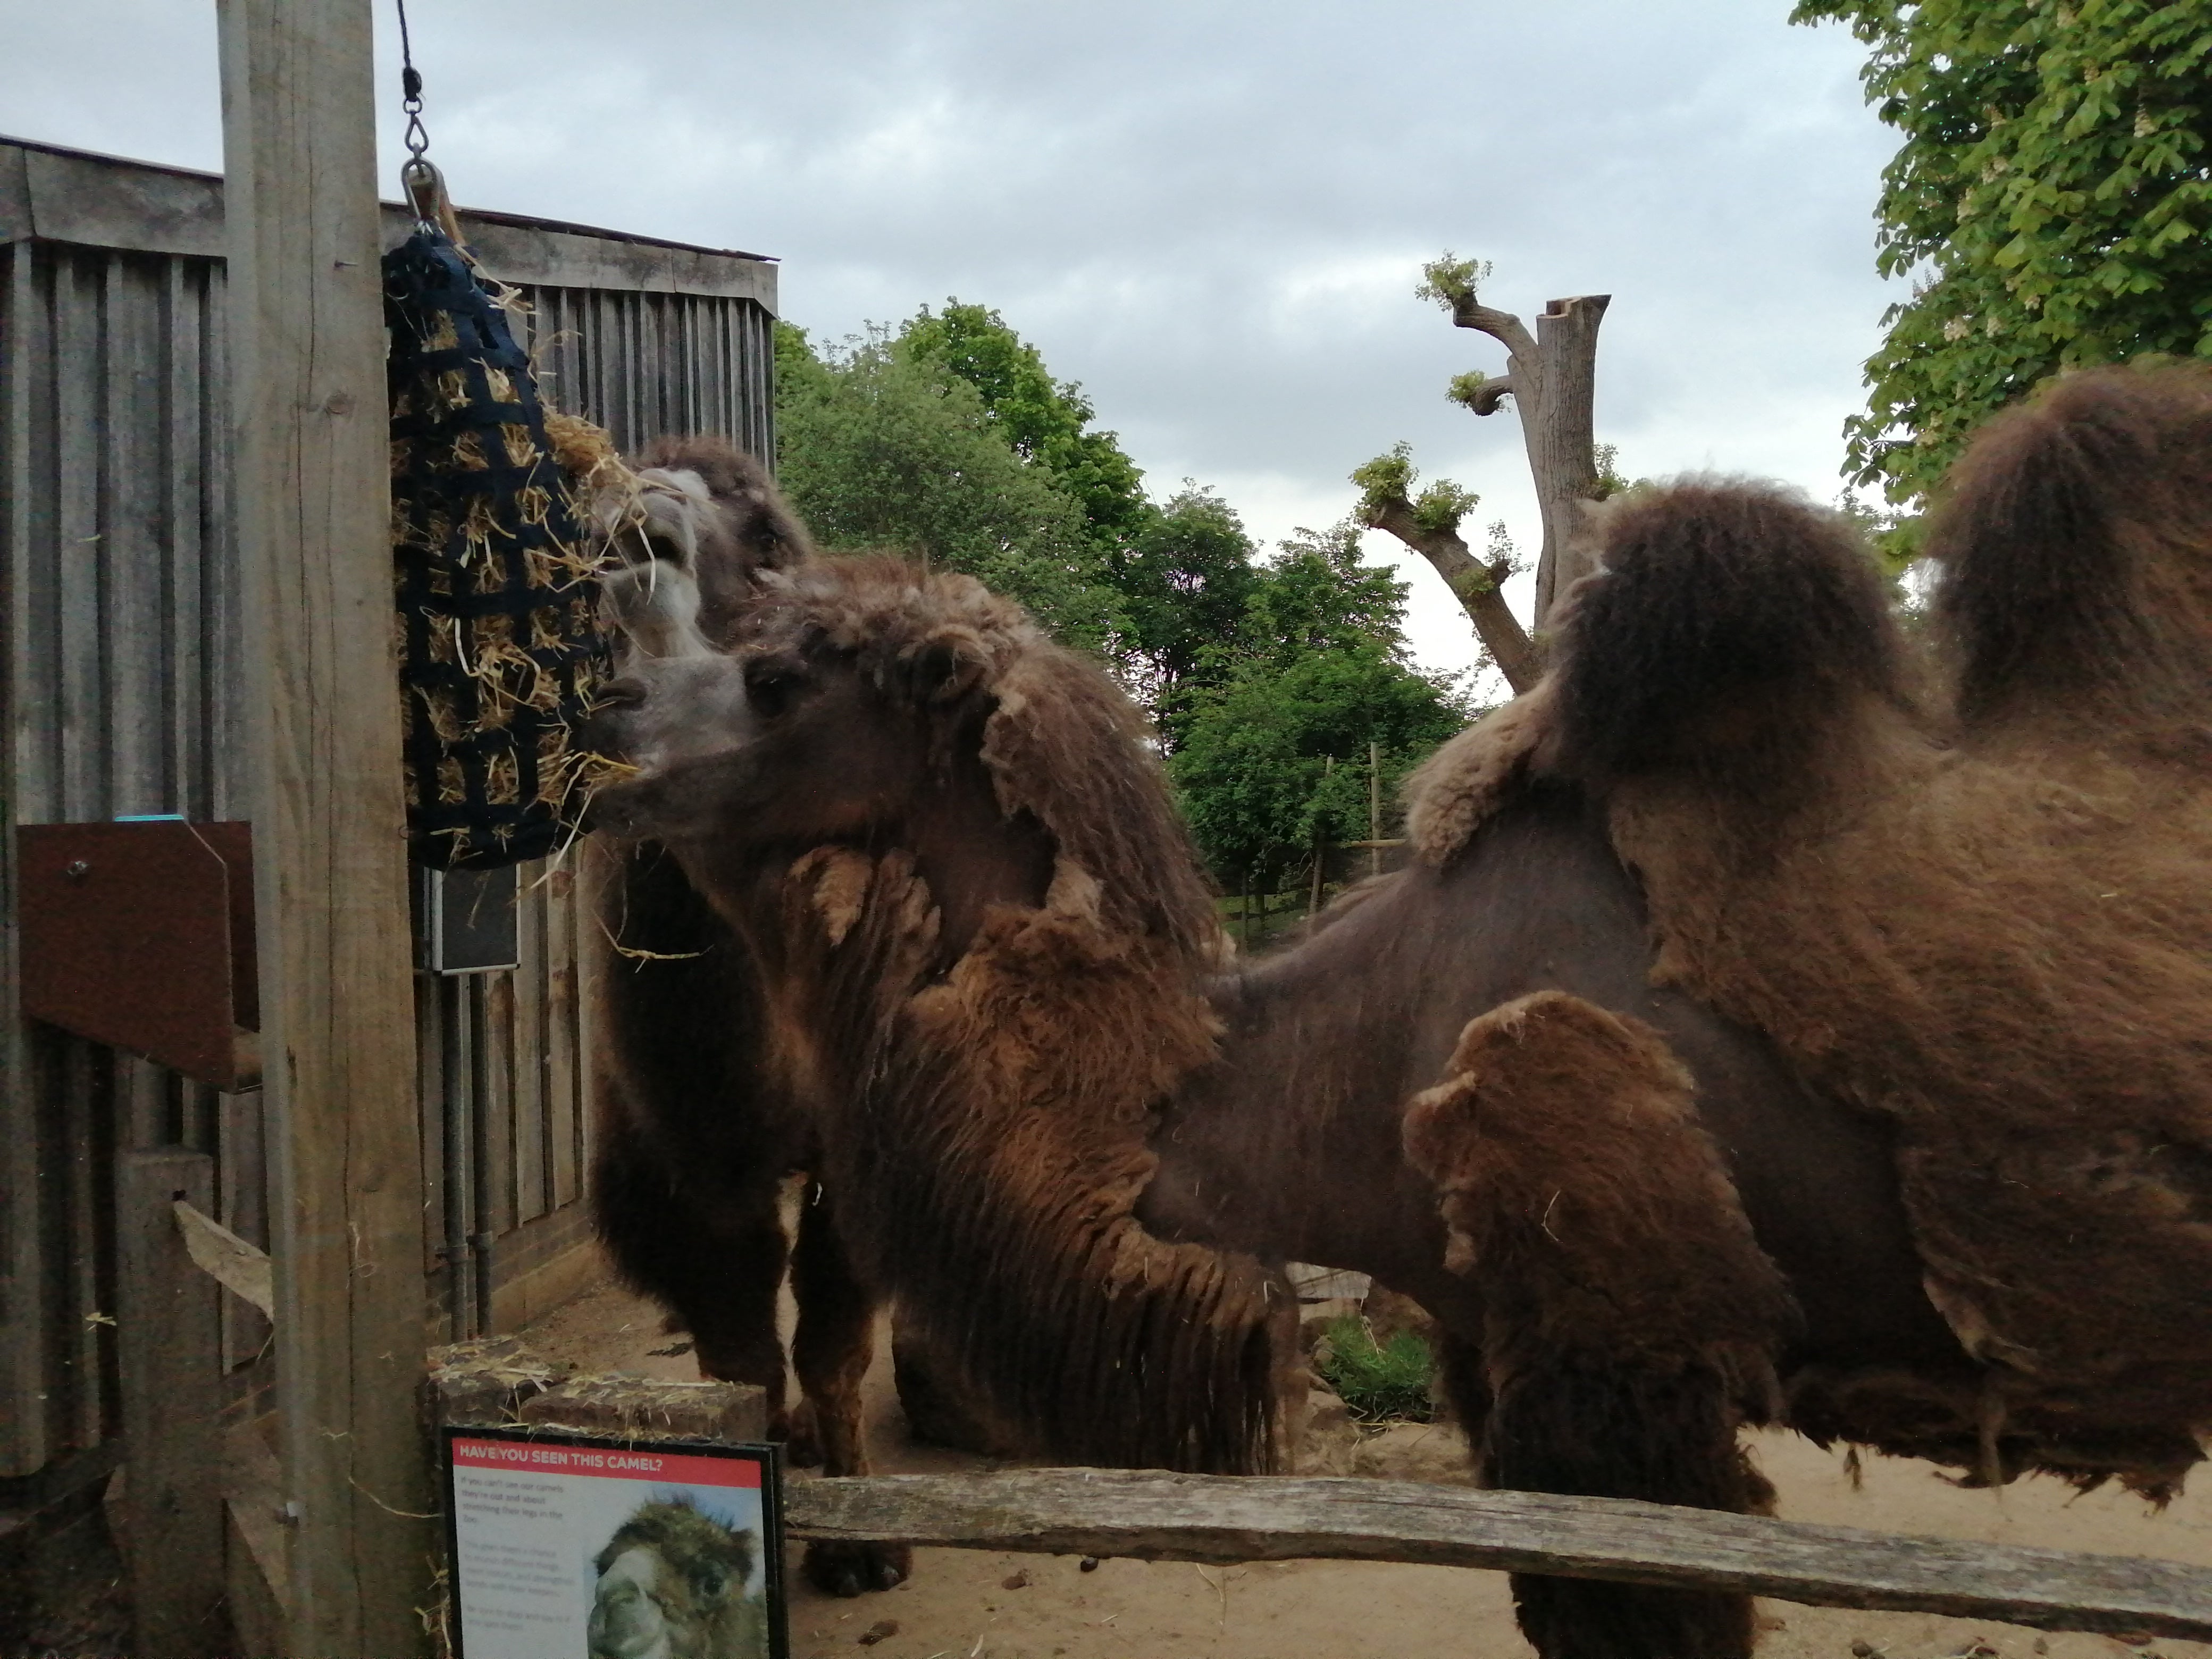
(967, 1604)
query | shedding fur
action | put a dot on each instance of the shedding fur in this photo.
(1633, 1320)
(1995, 934)
(1579, 1187)
(983, 1102)
(1730, 628)
(1457, 790)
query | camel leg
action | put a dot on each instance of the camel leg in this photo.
(715, 1263)
(831, 1352)
(1630, 1316)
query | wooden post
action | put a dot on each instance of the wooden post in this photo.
(168, 1330)
(306, 347)
(1374, 811)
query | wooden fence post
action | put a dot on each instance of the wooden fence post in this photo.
(169, 1338)
(311, 495)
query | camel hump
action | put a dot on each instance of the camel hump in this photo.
(2075, 539)
(1729, 625)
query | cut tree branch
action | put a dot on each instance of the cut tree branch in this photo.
(1475, 584)
(1490, 392)
(1552, 380)
(1503, 326)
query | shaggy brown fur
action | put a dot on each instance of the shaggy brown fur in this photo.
(982, 1075)
(1572, 1167)
(1997, 939)
(1892, 956)
(1625, 1289)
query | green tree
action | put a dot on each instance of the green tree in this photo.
(2051, 201)
(881, 449)
(1184, 577)
(1046, 421)
(1318, 671)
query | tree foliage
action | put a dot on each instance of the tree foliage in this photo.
(1184, 577)
(1318, 671)
(1044, 421)
(2050, 199)
(879, 448)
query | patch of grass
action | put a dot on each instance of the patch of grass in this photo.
(1386, 1382)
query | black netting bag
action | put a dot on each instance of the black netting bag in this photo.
(498, 592)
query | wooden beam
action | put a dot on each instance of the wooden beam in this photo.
(241, 1267)
(168, 1334)
(1190, 1517)
(308, 398)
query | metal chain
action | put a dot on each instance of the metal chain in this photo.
(411, 88)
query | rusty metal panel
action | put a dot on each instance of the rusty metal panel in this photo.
(140, 936)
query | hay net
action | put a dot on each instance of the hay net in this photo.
(496, 571)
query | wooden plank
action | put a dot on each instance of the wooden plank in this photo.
(82, 732)
(170, 1337)
(190, 576)
(227, 1259)
(134, 635)
(242, 1173)
(142, 1101)
(257, 1571)
(645, 1409)
(564, 1042)
(84, 1107)
(311, 502)
(25, 1301)
(1176, 1518)
(529, 1073)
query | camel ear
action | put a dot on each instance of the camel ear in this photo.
(946, 665)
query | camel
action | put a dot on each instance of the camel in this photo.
(1770, 1029)
(673, 1582)
(698, 1140)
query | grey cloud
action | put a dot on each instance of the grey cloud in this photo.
(1211, 214)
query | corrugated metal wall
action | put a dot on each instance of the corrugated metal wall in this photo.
(121, 688)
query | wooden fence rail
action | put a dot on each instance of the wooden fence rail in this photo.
(1216, 1518)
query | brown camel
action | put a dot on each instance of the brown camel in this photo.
(696, 1139)
(1759, 1036)
(698, 1135)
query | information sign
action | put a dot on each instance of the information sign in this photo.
(597, 1547)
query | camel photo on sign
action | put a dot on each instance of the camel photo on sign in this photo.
(605, 1548)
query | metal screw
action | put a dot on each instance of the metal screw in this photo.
(77, 870)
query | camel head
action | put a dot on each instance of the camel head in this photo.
(818, 722)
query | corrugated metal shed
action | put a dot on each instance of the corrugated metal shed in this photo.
(120, 686)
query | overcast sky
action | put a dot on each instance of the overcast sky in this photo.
(1211, 213)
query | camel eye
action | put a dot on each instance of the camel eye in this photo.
(771, 685)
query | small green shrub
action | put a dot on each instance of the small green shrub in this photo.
(1378, 1383)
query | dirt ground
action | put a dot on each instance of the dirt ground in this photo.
(964, 1604)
